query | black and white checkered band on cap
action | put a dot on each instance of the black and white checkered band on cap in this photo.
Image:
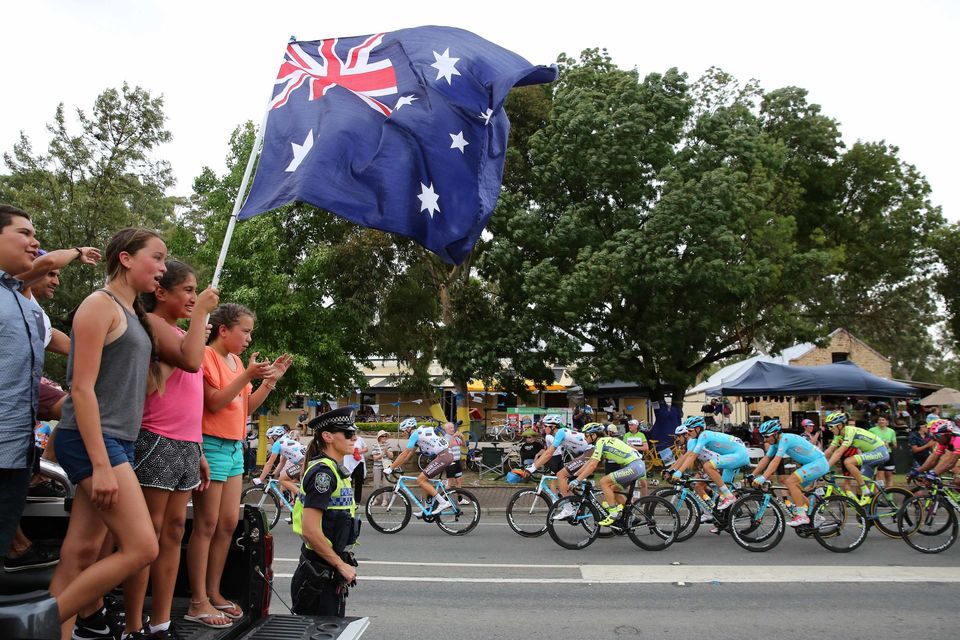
(336, 420)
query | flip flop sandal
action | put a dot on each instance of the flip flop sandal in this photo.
(203, 617)
(222, 608)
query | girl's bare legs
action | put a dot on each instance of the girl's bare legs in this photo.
(206, 512)
(229, 515)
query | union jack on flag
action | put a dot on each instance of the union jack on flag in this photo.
(402, 131)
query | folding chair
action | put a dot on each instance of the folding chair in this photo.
(491, 461)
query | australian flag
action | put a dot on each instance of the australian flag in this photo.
(402, 131)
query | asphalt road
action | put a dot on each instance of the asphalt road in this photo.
(495, 584)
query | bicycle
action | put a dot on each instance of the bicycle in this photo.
(270, 498)
(758, 519)
(503, 431)
(527, 509)
(458, 519)
(884, 505)
(928, 516)
(650, 522)
(691, 507)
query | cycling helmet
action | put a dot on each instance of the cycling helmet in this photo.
(681, 430)
(695, 422)
(275, 432)
(770, 427)
(942, 428)
(594, 427)
(553, 418)
(644, 426)
(408, 423)
(807, 422)
(836, 418)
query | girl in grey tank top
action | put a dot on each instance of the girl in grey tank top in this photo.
(111, 350)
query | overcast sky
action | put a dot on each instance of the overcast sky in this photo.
(885, 70)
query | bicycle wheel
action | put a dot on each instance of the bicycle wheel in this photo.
(884, 509)
(387, 511)
(578, 530)
(839, 524)
(653, 523)
(266, 501)
(688, 511)
(527, 513)
(423, 460)
(459, 519)
(928, 523)
(756, 522)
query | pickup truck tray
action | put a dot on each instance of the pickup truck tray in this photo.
(289, 627)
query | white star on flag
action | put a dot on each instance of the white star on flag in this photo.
(428, 199)
(404, 101)
(486, 116)
(458, 141)
(445, 65)
(300, 152)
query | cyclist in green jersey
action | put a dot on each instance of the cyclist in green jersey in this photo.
(872, 454)
(615, 450)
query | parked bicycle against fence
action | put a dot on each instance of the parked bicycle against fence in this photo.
(389, 509)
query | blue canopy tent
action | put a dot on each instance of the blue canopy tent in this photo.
(838, 379)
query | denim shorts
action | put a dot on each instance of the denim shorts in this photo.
(225, 457)
(72, 453)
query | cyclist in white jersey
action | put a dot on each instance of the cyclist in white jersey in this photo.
(292, 453)
(570, 441)
(432, 443)
(274, 436)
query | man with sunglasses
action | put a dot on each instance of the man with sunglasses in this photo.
(325, 517)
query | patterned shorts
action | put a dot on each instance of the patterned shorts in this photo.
(162, 463)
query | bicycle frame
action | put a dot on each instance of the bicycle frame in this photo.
(273, 487)
(544, 488)
(401, 487)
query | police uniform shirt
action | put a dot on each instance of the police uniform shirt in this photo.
(318, 485)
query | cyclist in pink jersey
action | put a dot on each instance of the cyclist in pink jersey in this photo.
(944, 457)
(169, 461)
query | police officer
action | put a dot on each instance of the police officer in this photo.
(325, 517)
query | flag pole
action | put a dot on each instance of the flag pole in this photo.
(258, 141)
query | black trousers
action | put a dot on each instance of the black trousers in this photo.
(356, 479)
(315, 597)
(14, 484)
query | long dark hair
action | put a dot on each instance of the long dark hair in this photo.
(131, 240)
(176, 273)
(227, 315)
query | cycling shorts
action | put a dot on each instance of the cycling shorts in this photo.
(630, 473)
(575, 465)
(812, 471)
(443, 460)
(554, 464)
(868, 461)
(730, 463)
(292, 470)
(455, 470)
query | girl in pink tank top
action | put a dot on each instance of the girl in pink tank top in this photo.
(169, 459)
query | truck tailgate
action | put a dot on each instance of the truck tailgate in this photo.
(290, 627)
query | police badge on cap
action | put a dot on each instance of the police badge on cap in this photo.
(336, 420)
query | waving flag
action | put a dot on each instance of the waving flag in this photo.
(403, 132)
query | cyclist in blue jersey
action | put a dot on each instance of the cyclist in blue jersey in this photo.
(812, 464)
(731, 455)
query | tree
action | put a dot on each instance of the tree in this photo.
(653, 238)
(91, 183)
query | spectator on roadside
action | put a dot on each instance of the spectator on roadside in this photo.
(921, 444)
(22, 337)
(933, 414)
(812, 433)
(381, 455)
(228, 398)
(530, 447)
(455, 470)
(635, 437)
(356, 464)
(302, 420)
(883, 431)
(251, 445)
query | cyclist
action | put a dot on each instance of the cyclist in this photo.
(873, 452)
(947, 436)
(631, 468)
(274, 436)
(552, 423)
(812, 465)
(570, 441)
(433, 442)
(730, 454)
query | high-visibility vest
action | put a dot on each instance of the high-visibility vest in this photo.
(340, 500)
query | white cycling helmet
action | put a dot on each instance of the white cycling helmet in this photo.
(553, 418)
(408, 423)
(275, 432)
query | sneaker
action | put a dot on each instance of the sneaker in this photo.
(818, 520)
(461, 500)
(442, 503)
(95, 627)
(799, 519)
(46, 490)
(31, 559)
(865, 499)
(567, 511)
(705, 518)
(612, 514)
(726, 503)
(143, 634)
(170, 633)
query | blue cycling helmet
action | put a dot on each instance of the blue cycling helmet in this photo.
(770, 427)
(594, 427)
(695, 422)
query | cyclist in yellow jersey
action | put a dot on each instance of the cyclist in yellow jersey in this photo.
(873, 451)
(616, 450)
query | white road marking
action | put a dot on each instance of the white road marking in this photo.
(619, 574)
